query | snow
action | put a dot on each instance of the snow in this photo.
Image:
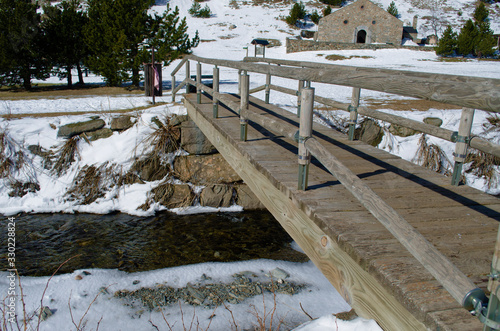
(224, 35)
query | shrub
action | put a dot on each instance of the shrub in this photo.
(297, 12)
(335, 3)
(447, 45)
(393, 10)
(327, 11)
(315, 17)
(197, 11)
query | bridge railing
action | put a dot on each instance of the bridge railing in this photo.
(467, 92)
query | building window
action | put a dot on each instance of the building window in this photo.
(346, 21)
(373, 22)
(362, 7)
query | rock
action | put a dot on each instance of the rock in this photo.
(401, 131)
(121, 123)
(73, 129)
(150, 168)
(278, 273)
(135, 282)
(232, 27)
(371, 133)
(176, 120)
(216, 196)
(44, 313)
(194, 141)
(436, 121)
(99, 134)
(78, 277)
(247, 199)
(182, 197)
(204, 170)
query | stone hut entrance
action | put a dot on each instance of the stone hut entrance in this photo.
(361, 38)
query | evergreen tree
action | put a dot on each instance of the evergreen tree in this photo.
(169, 36)
(392, 9)
(447, 45)
(484, 38)
(20, 44)
(327, 11)
(63, 37)
(315, 17)
(466, 39)
(297, 12)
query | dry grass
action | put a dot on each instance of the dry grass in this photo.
(493, 123)
(62, 92)
(484, 166)
(335, 57)
(66, 155)
(166, 137)
(431, 156)
(92, 183)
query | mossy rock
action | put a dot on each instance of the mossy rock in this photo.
(74, 129)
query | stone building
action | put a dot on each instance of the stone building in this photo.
(360, 22)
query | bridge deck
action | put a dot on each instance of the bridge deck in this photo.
(460, 221)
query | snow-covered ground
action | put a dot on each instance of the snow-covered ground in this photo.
(224, 36)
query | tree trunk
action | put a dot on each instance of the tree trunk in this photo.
(80, 74)
(26, 75)
(70, 77)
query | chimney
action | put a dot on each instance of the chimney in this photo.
(415, 21)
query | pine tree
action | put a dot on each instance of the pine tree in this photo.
(169, 36)
(484, 39)
(63, 37)
(20, 44)
(392, 9)
(315, 17)
(327, 11)
(297, 12)
(466, 39)
(447, 45)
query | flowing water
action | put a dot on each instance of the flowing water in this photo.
(132, 243)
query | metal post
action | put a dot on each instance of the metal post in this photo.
(353, 111)
(216, 89)
(198, 80)
(493, 311)
(462, 142)
(299, 90)
(305, 131)
(245, 84)
(268, 87)
(188, 75)
(173, 88)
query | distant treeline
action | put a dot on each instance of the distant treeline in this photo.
(112, 38)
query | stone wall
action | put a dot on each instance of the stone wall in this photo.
(300, 45)
(362, 21)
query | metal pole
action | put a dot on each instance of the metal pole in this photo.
(153, 76)
(299, 90)
(245, 85)
(216, 89)
(353, 111)
(305, 132)
(462, 142)
(268, 87)
(198, 80)
(188, 75)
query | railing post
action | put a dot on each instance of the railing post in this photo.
(353, 111)
(462, 141)
(239, 81)
(299, 98)
(268, 87)
(216, 89)
(173, 88)
(244, 90)
(493, 311)
(188, 75)
(198, 80)
(305, 131)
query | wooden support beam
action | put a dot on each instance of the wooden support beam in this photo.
(245, 84)
(353, 111)
(268, 88)
(462, 140)
(305, 132)
(198, 80)
(188, 75)
(216, 89)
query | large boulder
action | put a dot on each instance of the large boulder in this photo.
(73, 129)
(99, 134)
(204, 170)
(194, 141)
(371, 133)
(247, 199)
(173, 196)
(217, 195)
(436, 121)
(121, 123)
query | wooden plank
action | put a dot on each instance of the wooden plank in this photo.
(359, 288)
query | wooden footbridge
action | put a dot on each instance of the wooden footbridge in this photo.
(404, 245)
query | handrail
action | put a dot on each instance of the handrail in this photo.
(453, 280)
(461, 288)
(445, 134)
(477, 95)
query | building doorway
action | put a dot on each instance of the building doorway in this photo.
(361, 38)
